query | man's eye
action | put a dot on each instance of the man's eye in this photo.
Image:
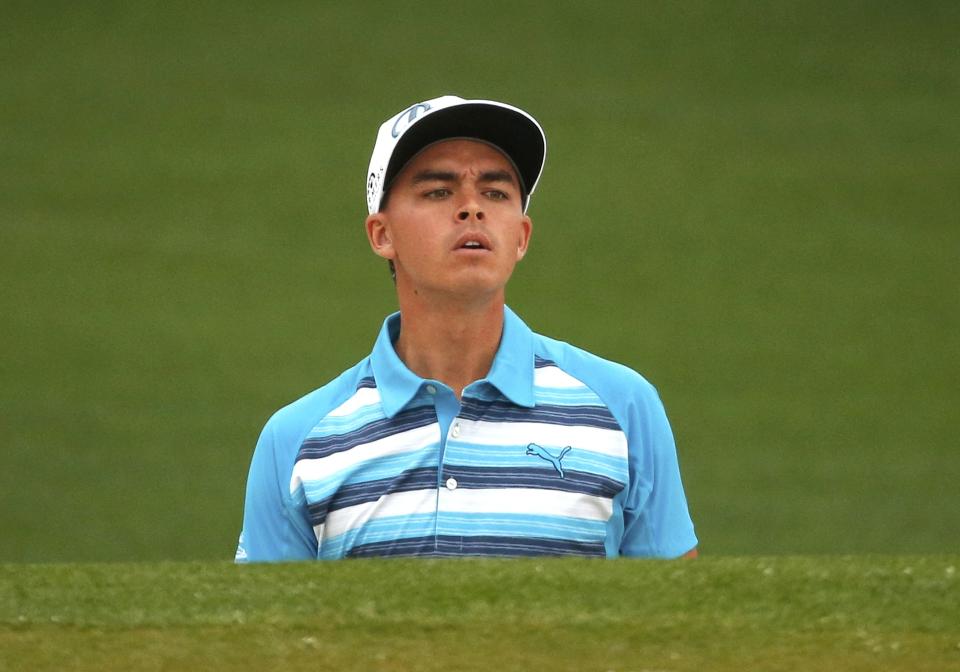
(438, 193)
(497, 195)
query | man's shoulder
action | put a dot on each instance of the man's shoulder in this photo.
(611, 380)
(297, 418)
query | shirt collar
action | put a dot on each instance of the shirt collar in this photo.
(512, 370)
(511, 373)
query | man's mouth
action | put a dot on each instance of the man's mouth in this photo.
(473, 241)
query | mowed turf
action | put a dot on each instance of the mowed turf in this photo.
(754, 206)
(838, 613)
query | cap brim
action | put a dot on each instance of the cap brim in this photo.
(518, 136)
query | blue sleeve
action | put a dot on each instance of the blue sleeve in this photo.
(656, 520)
(275, 524)
(650, 516)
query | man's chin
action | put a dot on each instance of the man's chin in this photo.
(464, 290)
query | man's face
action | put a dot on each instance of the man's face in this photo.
(454, 223)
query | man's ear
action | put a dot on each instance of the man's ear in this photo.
(378, 234)
(526, 230)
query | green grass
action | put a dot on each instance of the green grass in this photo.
(761, 613)
(756, 207)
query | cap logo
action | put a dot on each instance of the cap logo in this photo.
(411, 115)
(372, 183)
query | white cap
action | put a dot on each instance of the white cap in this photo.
(509, 129)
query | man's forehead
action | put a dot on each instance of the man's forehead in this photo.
(452, 153)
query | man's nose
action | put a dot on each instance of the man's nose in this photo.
(470, 208)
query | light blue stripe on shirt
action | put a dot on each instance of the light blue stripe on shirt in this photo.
(378, 530)
(347, 423)
(560, 396)
(521, 525)
(474, 455)
(370, 470)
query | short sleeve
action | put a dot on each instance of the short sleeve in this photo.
(275, 525)
(656, 518)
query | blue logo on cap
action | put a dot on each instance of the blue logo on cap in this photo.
(411, 115)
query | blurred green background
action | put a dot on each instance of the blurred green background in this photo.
(753, 204)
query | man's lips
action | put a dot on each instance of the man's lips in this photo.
(473, 241)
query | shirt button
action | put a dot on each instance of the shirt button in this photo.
(431, 389)
(455, 432)
(451, 484)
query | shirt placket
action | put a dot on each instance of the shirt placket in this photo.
(450, 488)
(448, 410)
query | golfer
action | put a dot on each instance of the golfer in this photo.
(463, 432)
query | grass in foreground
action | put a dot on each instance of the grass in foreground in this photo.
(840, 613)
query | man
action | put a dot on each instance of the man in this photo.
(464, 433)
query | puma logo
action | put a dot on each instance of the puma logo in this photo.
(544, 454)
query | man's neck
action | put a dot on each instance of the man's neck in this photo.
(454, 343)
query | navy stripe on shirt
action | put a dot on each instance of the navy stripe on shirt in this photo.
(477, 546)
(536, 478)
(550, 414)
(371, 491)
(322, 446)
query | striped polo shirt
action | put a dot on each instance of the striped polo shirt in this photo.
(555, 452)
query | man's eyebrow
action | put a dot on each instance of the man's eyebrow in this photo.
(497, 176)
(429, 175)
(434, 176)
